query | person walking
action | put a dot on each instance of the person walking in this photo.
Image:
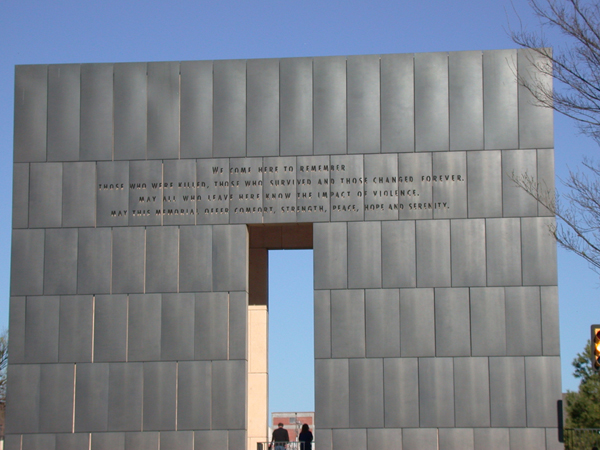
(280, 437)
(305, 438)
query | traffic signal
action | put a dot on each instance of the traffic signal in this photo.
(596, 347)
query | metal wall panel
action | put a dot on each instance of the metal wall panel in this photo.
(246, 190)
(39, 442)
(229, 394)
(543, 388)
(79, 195)
(41, 329)
(471, 392)
(179, 192)
(296, 106)
(128, 248)
(63, 112)
(378, 438)
(465, 80)
(552, 439)
(113, 193)
(96, 119)
(262, 107)
(417, 329)
(72, 441)
(488, 318)
(125, 389)
(545, 179)
(431, 102)
(236, 439)
(364, 254)
(507, 391)
(194, 395)
(160, 396)
(414, 176)
(145, 192)
(351, 438)
(324, 438)
(398, 254)
(279, 189)
(484, 188)
(177, 440)
(450, 187)
(401, 392)
(12, 442)
(313, 171)
(491, 438)
(527, 438)
(515, 200)
(539, 251)
(196, 109)
(23, 398)
(209, 440)
(211, 326)
(397, 103)
(383, 196)
(195, 259)
(94, 260)
(452, 331)
(144, 327)
(162, 257)
(177, 327)
(108, 441)
(229, 108)
(419, 439)
(332, 393)
(146, 440)
(382, 314)
(330, 255)
(27, 262)
(347, 203)
(550, 325)
(91, 398)
(503, 252)
(364, 104)
(213, 193)
(31, 107)
(436, 392)
(523, 321)
(329, 96)
(20, 210)
(75, 329)
(45, 195)
(56, 398)
(467, 246)
(500, 99)
(238, 325)
(131, 110)
(366, 392)
(230, 258)
(16, 325)
(60, 261)
(110, 328)
(536, 125)
(348, 323)
(163, 110)
(433, 253)
(456, 439)
(322, 324)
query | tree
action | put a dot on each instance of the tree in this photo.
(583, 407)
(3, 371)
(576, 69)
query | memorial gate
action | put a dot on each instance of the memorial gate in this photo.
(147, 196)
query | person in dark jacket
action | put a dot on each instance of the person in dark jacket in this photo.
(305, 438)
(280, 437)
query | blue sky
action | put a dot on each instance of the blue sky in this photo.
(44, 32)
